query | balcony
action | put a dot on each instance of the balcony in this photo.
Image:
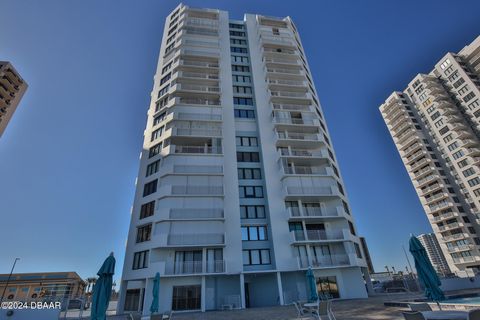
(182, 149)
(198, 101)
(459, 248)
(303, 153)
(285, 135)
(197, 190)
(288, 83)
(443, 205)
(455, 237)
(312, 213)
(196, 63)
(318, 235)
(200, 53)
(296, 121)
(195, 88)
(423, 172)
(451, 226)
(197, 116)
(466, 259)
(196, 132)
(196, 239)
(307, 170)
(284, 71)
(327, 261)
(294, 61)
(427, 179)
(292, 107)
(311, 192)
(438, 196)
(417, 164)
(198, 169)
(195, 76)
(432, 188)
(278, 40)
(196, 214)
(473, 152)
(273, 52)
(444, 216)
(194, 267)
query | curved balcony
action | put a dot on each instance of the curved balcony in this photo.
(327, 261)
(303, 236)
(196, 214)
(195, 239)
(192, 149)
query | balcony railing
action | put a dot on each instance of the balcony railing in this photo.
(197, 132)
(198, 239)
(197, 190)
(324, 261)
(286, 71)
(302, 153)
(198, 116)
(192, 213)
(194, 267)
(293, 107)
(305, 170)
(199, 101)
(309, 191)
(197, 169)
(191, 87)
(295, 121)
(317, 235)
(298, 136)
(197, 75)
(310, 212)
(197, 149)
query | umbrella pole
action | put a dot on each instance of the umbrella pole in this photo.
(439, 306)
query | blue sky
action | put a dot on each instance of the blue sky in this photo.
(69, 157)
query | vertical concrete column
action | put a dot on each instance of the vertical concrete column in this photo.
(242, 290)
(147, 297)
(204, 291)
(280, 288)
(121, 297)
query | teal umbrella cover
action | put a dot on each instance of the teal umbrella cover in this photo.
(103, 289)
(311, 285)
(425, 271)
(155, 290)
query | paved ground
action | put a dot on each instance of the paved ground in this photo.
(359, 309)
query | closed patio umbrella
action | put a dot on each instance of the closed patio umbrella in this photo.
(311, 285)
(103, 289)
(155, 289)
(425, 271)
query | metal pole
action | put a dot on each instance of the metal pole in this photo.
(413, 274)
(8, 279)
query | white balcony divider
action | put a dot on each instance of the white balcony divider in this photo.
(192, 213)
(196, 239)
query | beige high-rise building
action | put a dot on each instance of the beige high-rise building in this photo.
(435, 254)
(435, 125)
(12, 88)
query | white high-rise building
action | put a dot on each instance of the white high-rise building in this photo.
(435, 125)
(435, 254)
(239, 190)
(12, 88)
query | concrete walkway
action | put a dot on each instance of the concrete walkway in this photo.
(358, 309)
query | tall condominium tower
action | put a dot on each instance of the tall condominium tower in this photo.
(435, 254)
(435, 126)
(12, 88)
(239, 190)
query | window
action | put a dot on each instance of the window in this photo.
(238, 41)
(159, 118)
(449, 70)
(156, 134)
(474, 105)
(468, 172)
(146, 210)
(249, 173)
(445, 64)
(252, 212)
(237, 33)
(473, 182)
(144, 233)
(132, 300)
(165, 78)
(446, 139)
(155, 150)
(443, 130)
(256, 257)
(163, 91)
(239, 58)
(167, 67)
(328, 286)
(250, 191)
(243, 101)
(458, 154)
(469, 97)
(150, 188)
(236, 26)
(439, 123)
(463, 163)
(276, 31)
(152, 168)
(140, 260)
(459, 83)
(238, 68)
(358, 251)
(453, 146)
(244, 114)
(240, 78)
(254, 233)
(247, 141)
(463, 89)
(454, 76)
(186, 297)
(238, 50)
(435, 115)
(248, 157)
(242, 89)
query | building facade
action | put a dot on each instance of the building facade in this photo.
(435, 125)
(435, 254)
(42, 285)
(239, 190)
(12, 88)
